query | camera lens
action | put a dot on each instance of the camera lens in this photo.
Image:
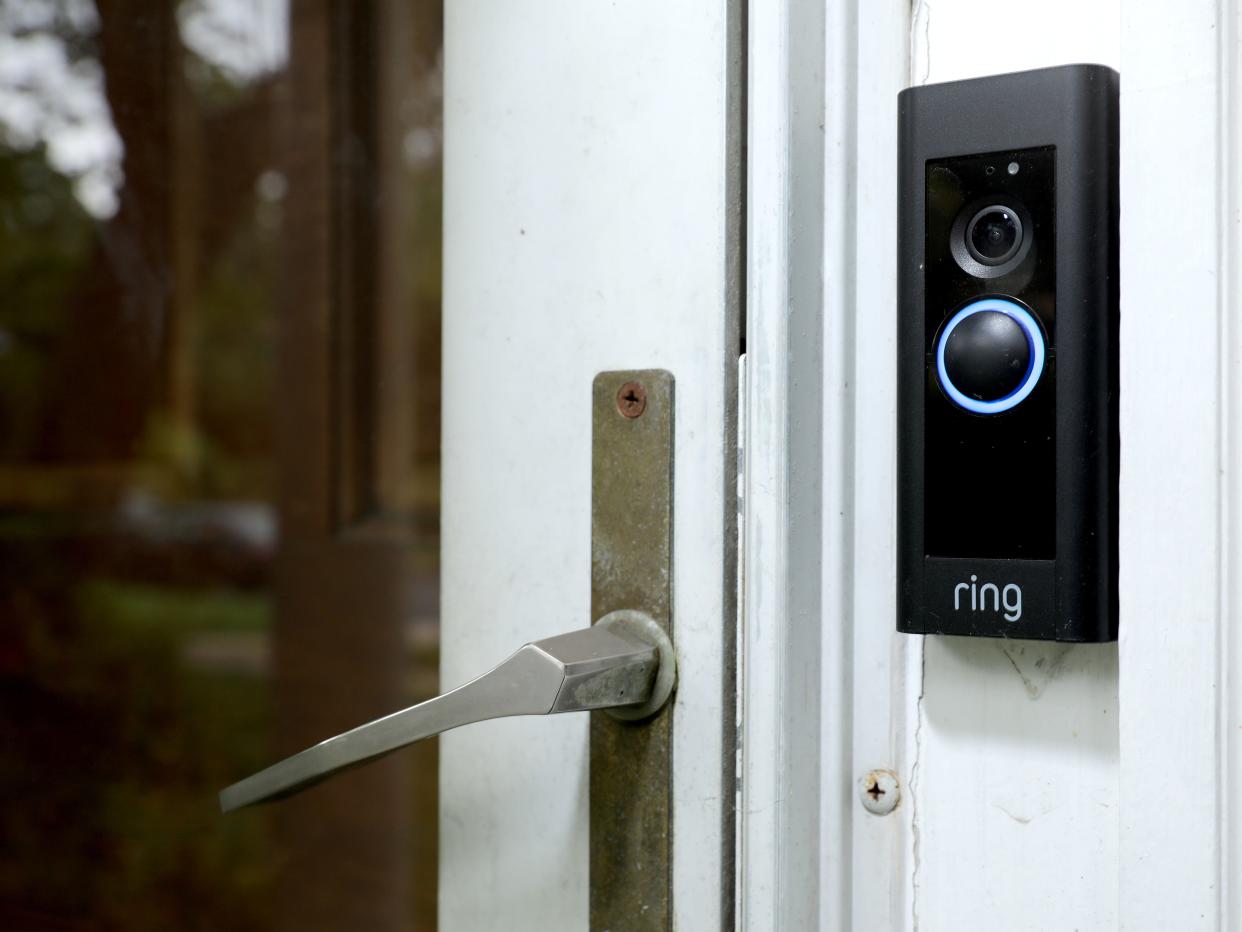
(994, 235)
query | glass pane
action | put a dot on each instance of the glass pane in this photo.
(219, 456)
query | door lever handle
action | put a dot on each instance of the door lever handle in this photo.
(623, 663)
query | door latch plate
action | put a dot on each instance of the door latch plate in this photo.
(631, 786)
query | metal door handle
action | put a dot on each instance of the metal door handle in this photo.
(624, 663)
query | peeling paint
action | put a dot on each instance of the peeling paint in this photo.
(920, 42)
(1038, 668)
(1021, 820)
(1024, 819)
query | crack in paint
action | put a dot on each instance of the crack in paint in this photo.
(916, 840)
(921, 11)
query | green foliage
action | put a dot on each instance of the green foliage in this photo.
(236, 361)
(46, 240)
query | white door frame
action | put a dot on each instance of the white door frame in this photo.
(819, 474)
(1025, 804)
(1181, 460)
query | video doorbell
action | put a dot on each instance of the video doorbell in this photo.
(1007, 356)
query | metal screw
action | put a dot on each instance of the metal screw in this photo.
(632, 399)
(880, 792)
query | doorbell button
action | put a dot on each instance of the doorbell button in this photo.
(990, 356)
(987, 356)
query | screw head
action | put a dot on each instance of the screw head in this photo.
(879, 791)
(632, 399)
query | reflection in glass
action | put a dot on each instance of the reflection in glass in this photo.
(159, 637)
(52, 98)
(245, 40)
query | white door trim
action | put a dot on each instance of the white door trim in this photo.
(1180, 766)
(779, 648)
(1181, 420)
(817, 553)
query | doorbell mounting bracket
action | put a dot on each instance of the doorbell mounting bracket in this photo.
(1007, 377)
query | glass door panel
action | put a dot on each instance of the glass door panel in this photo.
(219, 456)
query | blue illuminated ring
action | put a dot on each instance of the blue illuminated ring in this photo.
(1034, 368)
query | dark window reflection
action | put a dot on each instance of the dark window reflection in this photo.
(219, 456)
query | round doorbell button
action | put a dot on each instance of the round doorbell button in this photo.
(990, 355)
(987, 356)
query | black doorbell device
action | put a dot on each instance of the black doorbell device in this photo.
(1007, 356)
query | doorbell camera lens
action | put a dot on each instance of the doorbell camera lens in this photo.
(993, 235)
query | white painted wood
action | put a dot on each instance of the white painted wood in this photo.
(838, 879)
(1015, 784)
(968, 38)
(764, 626)
(822, 205)
(586, 229)
(1230, 95)
(886, 666)
(1028, 806)
(1181, 405)
(1009, 751)
(779, 645)
(586, 199)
